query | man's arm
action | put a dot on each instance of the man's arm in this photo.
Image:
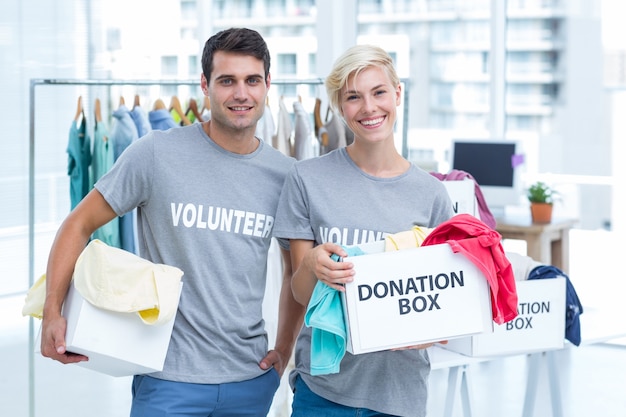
(91, 213)
(290, 318)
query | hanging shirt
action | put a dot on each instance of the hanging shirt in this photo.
(123, 134)
(303, 133)
(284, 128)
(79, 160)
(102, 161)
(337, 132)
(266, 126)
(140, 118)
(161, 119)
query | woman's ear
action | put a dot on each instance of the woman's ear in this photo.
(398, 94)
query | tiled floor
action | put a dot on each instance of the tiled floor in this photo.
(592, 378)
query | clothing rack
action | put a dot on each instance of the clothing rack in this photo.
(34, 83)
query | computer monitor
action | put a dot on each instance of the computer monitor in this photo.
(495, 165)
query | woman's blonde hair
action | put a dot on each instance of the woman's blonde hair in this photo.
(353, 61)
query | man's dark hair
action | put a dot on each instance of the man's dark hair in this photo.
(238, 40)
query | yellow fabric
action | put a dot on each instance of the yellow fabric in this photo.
(117, 280)
(35, 297)
(412, 238)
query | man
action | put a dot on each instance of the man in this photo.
(206, 196)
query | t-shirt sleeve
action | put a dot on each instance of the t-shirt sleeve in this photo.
(292, 216)
(128, 183)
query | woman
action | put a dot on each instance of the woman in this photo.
(354, 195)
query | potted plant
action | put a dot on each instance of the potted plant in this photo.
(541, 197)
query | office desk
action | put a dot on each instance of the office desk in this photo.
(546, 243)
(597, 326)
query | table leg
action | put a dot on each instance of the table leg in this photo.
(538, 248)
(534, 362)
(560, 252)
(534, 368)
(457, 382)
(453, 386)
(555, 388)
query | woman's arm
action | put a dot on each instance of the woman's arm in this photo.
(312, 263)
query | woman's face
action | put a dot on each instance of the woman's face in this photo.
(368, 104)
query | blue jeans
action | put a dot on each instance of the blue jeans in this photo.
(154, 397)
(308, 404)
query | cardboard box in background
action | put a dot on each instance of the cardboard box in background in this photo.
(117, 344)
(413, 296)
(539, 326)
(463, 196)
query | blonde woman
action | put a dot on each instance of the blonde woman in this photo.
(355, 195)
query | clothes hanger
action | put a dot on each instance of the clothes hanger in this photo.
(175, 105)
(206, 104)
(318, 122)
(98, 115)
(158, 105)
(193, 108)
(137, 102)
(97, 112)
(122, 102)
(79, 109)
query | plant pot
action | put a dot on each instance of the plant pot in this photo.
(541, 212)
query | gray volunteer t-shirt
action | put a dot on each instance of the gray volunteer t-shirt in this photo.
(210, 213)
(330, 199)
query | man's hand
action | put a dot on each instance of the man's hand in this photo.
(53, 341)
(276, 360)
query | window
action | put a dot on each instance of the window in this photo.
(169, 66)
(287, 64)
(194, 68)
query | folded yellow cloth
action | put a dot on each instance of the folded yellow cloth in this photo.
(35, 297)
(412, 238)
(117, 280)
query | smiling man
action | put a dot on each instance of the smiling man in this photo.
(218, 362)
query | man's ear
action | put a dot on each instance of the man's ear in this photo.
(204, 84)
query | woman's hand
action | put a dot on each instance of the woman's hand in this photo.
(332, 273)
(422, 346)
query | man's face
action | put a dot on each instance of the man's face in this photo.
(237, 91)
